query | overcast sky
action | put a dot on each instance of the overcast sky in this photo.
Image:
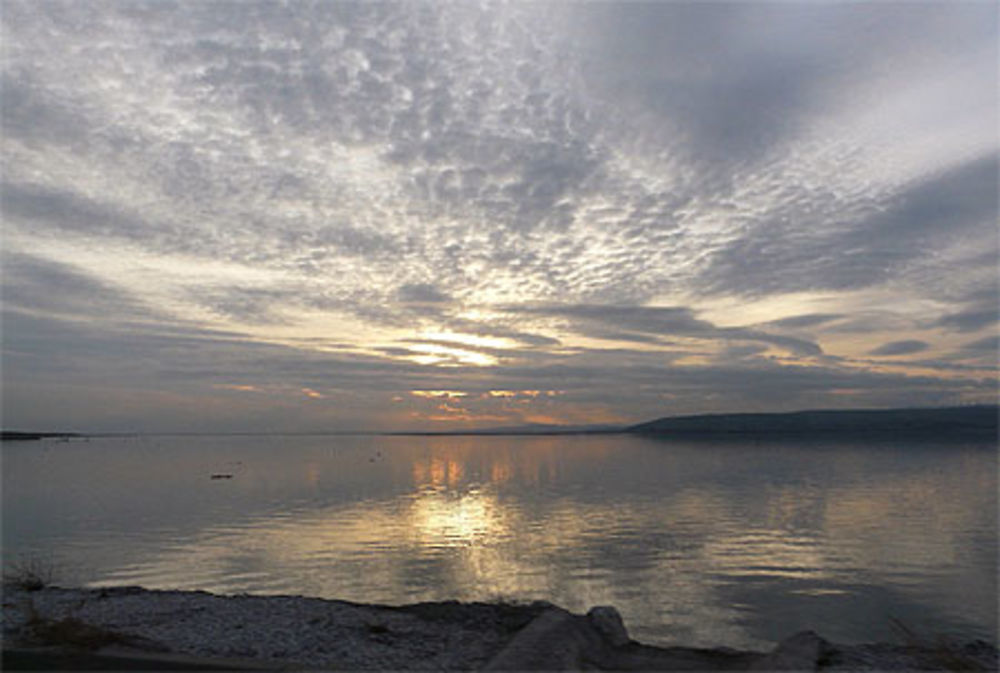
(339, 215)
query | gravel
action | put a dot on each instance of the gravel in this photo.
(310, 632)
(313, 633)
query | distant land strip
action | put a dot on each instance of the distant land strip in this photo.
(16, 436)
(979, 420)
(972, 421)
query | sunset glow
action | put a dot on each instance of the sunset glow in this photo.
(213, 207)
(453, 312)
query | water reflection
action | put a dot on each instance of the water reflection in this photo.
(699, 543)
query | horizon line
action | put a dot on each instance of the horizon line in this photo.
(520, 429)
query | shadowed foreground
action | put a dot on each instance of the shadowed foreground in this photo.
(136, 629)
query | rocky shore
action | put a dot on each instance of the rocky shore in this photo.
(132, 628)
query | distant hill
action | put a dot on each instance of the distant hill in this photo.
(937, 422)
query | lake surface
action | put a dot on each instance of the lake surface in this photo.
(739, 543)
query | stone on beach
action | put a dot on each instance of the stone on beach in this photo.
(295, 633)
(608, 621)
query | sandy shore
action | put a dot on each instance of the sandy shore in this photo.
(184, 630)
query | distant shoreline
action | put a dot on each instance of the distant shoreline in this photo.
(16, 436)
(964, 422)
(934, 422)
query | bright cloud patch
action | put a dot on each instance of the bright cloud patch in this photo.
(649, 208)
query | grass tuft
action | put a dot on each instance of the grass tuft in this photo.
(30, 573)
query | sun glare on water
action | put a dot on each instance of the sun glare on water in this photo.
(444, 519)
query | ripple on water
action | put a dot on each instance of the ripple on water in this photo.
(695, 541)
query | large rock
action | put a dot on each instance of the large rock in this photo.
(608, 622)
(802, 652)
(558, 640)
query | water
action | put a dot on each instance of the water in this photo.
(703, 543)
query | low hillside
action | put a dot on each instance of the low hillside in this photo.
(942, 421)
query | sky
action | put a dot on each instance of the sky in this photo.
(322, 216)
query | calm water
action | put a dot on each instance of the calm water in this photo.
(735, 543)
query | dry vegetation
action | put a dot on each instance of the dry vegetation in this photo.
(31, 573)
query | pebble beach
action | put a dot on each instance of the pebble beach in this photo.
(300, 633)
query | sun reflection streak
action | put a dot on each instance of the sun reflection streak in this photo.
(443, 519)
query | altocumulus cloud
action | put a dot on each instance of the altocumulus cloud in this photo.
(638, 208)
(905, 347)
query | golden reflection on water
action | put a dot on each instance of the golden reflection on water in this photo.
(463, 459)
(440, 519)
(676, 541)
(438, 472)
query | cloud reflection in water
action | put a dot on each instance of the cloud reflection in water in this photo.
(695, 542)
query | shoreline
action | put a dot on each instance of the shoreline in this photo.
(122, 627)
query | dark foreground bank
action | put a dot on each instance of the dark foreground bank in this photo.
(137, 629)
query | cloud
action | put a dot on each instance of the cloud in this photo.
(43, 354)
(988, 344)
(969, 321)
(735, 100)
(40, 286)
(198, 186)
(805, 320)
(29, 112)
(422, 293)
(651, 324)
(467, 142)
(246, 305)
(904, 347)
(69, 212)
(500, 328)
(771, 70)
(792, 256)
